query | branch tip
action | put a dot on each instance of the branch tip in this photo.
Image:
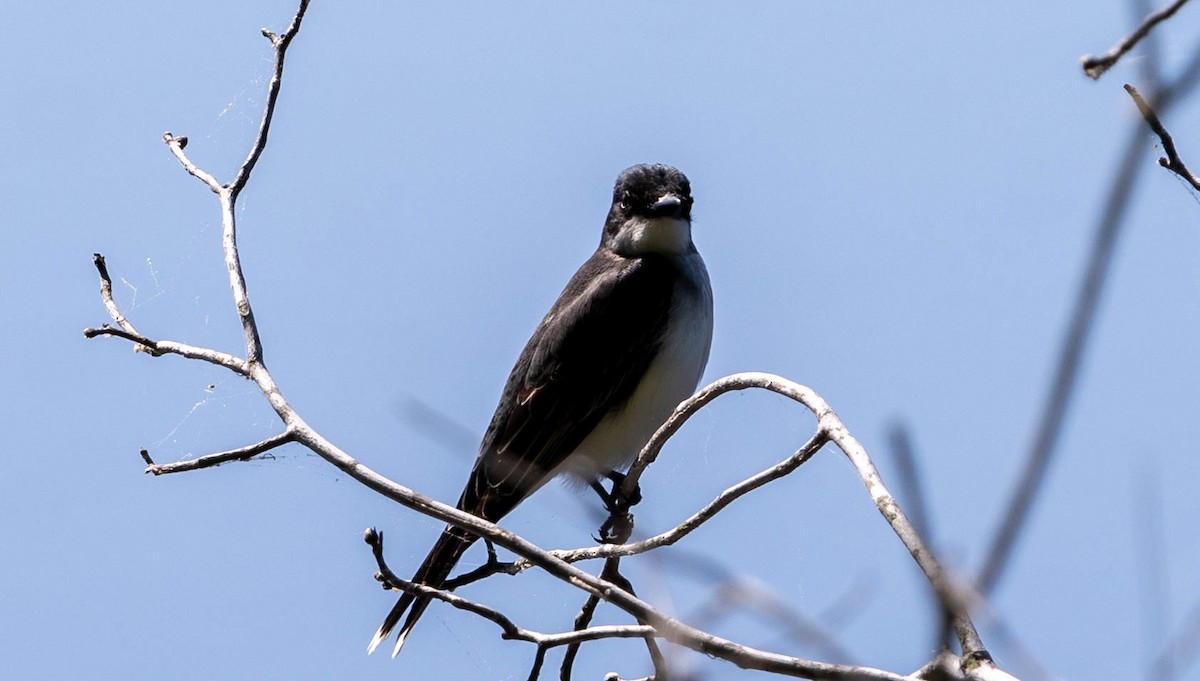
(1171, 161)
(1094, 67)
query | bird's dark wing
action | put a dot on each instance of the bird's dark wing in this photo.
(586, 357)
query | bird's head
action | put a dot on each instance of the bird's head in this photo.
(651, 212)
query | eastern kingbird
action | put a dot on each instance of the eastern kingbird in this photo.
(624, 344)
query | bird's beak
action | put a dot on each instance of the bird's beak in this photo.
(669, 206)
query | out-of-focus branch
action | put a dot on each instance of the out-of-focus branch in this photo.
(1094, 67)
(910, 478)
(738, 593)
(1149, 551)
(1171, 161)
(1066, 374)
(1180, 651)
(1062, 387)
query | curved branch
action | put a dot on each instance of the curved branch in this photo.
(706, 513)
(177, 145)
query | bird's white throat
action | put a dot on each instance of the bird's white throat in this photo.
(641, 236)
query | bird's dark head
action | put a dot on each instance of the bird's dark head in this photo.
(651, 211)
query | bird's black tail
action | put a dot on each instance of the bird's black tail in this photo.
(433, 572)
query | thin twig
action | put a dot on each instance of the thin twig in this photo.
(159, 348)
(1094, 67)
(582, 620)
(280, 43)
(106, 295)
(177, 145)
(1171, 161)
(210, 460)
(228, 193)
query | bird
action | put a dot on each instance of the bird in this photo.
(627, 340)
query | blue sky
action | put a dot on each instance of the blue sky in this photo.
(894, 203)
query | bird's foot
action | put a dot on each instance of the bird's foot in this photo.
(619, 525)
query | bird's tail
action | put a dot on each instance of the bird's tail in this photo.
(433, 572)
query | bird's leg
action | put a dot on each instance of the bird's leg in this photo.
(618, 481)
(619, 525)
(606, 497)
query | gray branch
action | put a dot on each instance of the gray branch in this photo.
(1094, 67)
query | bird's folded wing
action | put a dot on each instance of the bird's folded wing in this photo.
(585, 359)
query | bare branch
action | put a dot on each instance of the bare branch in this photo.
(241, 454)
(228, 194)
(667, 627)
(110, 305)
(280, 43)
(582, 620)
(159, 348)
(831, 428)
(177, 145)
(147, 345)
(1172, 161)
(1094, 67)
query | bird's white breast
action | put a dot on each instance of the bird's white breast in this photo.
(665, 235)
(671, 377)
